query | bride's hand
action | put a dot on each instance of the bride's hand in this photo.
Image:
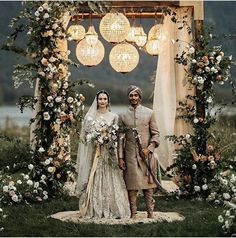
(122, 164)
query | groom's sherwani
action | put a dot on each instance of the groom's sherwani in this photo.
(142, 118)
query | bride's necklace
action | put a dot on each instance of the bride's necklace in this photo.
(102, 112)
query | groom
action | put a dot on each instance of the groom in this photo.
(136, 175)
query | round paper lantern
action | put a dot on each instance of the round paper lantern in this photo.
(154, 32)
(140, 37)
(76, 32)
(90, 55)
(153, 47)
(114, 27)
(124, 57)
(91, 36)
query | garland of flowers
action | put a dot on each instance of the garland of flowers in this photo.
(60, 105)
(195, 164)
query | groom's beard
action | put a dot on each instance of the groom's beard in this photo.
(134, 102)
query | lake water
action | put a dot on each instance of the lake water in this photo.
(13, 115)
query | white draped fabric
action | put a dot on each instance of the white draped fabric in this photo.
(170, 85)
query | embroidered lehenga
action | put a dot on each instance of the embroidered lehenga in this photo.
(102, 188)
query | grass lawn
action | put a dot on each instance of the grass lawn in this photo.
(25, 220)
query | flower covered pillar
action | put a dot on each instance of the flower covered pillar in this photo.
(57, 106)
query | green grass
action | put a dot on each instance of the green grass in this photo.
(28, 221)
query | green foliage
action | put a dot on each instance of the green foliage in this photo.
(14, 154)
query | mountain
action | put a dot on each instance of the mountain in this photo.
(220, 14)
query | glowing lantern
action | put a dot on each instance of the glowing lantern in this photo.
(114, 27)
(153, 47)
(90, 55)
(124, 57)
(140, 37)
(76, 32)
(91, 36)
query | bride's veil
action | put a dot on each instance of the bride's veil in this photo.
(85, 151)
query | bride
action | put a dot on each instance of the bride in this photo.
(100, 185)
(100, 181)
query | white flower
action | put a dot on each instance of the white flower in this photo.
(220, 219)
(191, 50)
(224, 181)
(197, 188)
(50, 98)
(47, 161)
(227, 213)
(5, 188)
(209, 100)
(26, 177)
(37, 13)
(226, 196)
(46, 116)
(200, 79)
(30, 166)
(15, 198)
(46, 15)
(30, 182)
(1, 210)
(204, 187)
(230, 57)
(41, 150)
(70, 99)
(207, 69)
(227, 224)
(43, 177)
(45, 193)
(40, 9)
(219, 58)
(65, 85)
(50, 169)
(58, 99)
(194, 166)
(194, 61)
(195, 120)
(45, 197)
(36, 184)
(19, 181)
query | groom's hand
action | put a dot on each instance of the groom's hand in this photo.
(122, 164)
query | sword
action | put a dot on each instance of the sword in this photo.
(145, 160)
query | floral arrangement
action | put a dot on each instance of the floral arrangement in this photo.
(101, 133)
(223, 192)
(59, 106)
(196, 161)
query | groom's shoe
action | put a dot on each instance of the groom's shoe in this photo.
(148, 193)
(132, 201)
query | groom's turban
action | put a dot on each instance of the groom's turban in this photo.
(133, 88)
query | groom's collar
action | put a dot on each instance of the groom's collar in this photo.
(132, 108)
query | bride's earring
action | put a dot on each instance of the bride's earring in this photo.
(109, 107)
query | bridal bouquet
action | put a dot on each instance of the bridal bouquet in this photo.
(101, 133)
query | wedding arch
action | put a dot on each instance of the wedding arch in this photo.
(170, 84)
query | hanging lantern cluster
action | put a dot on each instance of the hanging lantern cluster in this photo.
(115, 28)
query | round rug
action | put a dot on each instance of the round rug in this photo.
(141, 217)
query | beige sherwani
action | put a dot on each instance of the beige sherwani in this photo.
(136, 175)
